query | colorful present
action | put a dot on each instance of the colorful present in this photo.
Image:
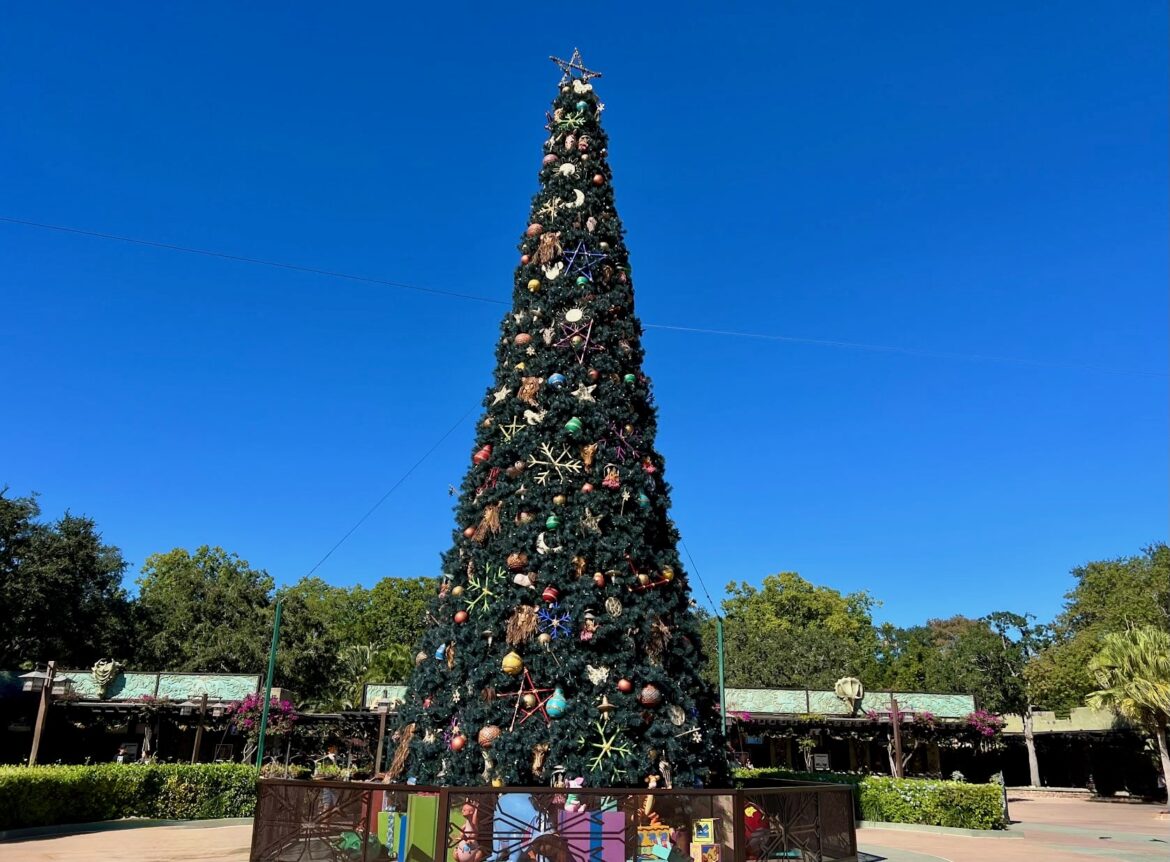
(703, 831)
(594, 836)
(704, 852)
(653, 843)
(419, 830)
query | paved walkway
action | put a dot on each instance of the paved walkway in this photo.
(1078, 830)
(1043, 829)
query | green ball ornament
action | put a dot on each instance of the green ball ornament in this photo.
(581, 106)
(573, 426)
(582, 281)
(553, 522)
(643, 501)
(630, 378)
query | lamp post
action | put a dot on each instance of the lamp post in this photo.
(47, 683)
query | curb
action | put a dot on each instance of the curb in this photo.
(938, 830)
(63, 829)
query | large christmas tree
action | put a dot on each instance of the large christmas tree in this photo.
(563, 643)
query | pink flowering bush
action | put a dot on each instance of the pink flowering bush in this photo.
(245, 715)
(986, 724)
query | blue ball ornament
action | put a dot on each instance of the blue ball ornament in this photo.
(556, 705)
(556, 380)
(582, 105)
(643, 501)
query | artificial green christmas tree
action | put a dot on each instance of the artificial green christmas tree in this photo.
(563, 643)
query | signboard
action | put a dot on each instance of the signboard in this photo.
(821, 762)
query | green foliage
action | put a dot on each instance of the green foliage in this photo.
(205, 611)
(908, 800)
(60, 588)
(49, 795)
(1109, 596)
(791, 633)
(1002, 660)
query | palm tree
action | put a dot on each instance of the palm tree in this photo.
(1132, 669)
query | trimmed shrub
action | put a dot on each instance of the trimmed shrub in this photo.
(907, 800)
(51, 795)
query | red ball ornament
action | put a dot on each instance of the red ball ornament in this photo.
(457, 742)
(550, 159)
(524, 259)
(599, 579)
(598, 180)
(469, 532)
(550, 594)
(594, 374)
(534, 229)
(587, 488)
(460, 617)
(482, 456)
(625, 686)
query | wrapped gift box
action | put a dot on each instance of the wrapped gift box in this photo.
(594, 836)
(653, 843)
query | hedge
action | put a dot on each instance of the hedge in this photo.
(49, 795)
(908, 800)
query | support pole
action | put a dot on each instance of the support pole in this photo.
(722, 689)
(199, 728)
(381, 739)
(268, 686)
(42, 712)
(896, 721)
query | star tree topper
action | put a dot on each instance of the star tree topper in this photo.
(574, 68)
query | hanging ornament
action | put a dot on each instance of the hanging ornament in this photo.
(534, 284)
(534, 229)
(482, 456)
(457, 742)
(550, 594)
(590, 627)
(544, 639)
(605, 708)
(667, 574)
(552, 522)
(529, 387)
(460, 617)
(556, 704)
(643, 501)
(650, 696)
(556, 380)
(487, 735)
(588, 453)
(521, 625)
(598, 180)
(489, 522)
(542, 546)
(568, 169)
(574, 426)
(613, 479)
(554, 622)
(625, 686)
(550, 159)
(419, 657)
(676, 715)
(517, 562)
(613, 606)
(559, 500)
(598, 579)
(512, 664)
(587, 488)
(596, 675)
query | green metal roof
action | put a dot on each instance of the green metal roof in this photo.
(134, 685)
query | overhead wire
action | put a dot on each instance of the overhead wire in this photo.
(731, 333)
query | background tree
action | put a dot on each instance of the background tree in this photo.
(206, 611)
(1109, 596)
(791, 633)
(1132, 672)
(1002, 661)
(60, 589)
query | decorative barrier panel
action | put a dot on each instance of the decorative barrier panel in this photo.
(305, 821)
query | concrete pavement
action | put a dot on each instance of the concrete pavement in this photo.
(1046, 829)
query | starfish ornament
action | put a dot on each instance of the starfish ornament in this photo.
(510, 430)
(500, 394)
(584, 393)
(527, 686)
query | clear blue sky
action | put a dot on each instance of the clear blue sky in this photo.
(946, 178)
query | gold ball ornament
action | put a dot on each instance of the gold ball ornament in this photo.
(457, 591)
(559, 500)
(487, 735)
(512, 664)
(534, 284)
(544, 639)
(529, 700)
(667, 574)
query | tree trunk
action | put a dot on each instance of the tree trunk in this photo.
(1164, 754)
(1030, 744)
